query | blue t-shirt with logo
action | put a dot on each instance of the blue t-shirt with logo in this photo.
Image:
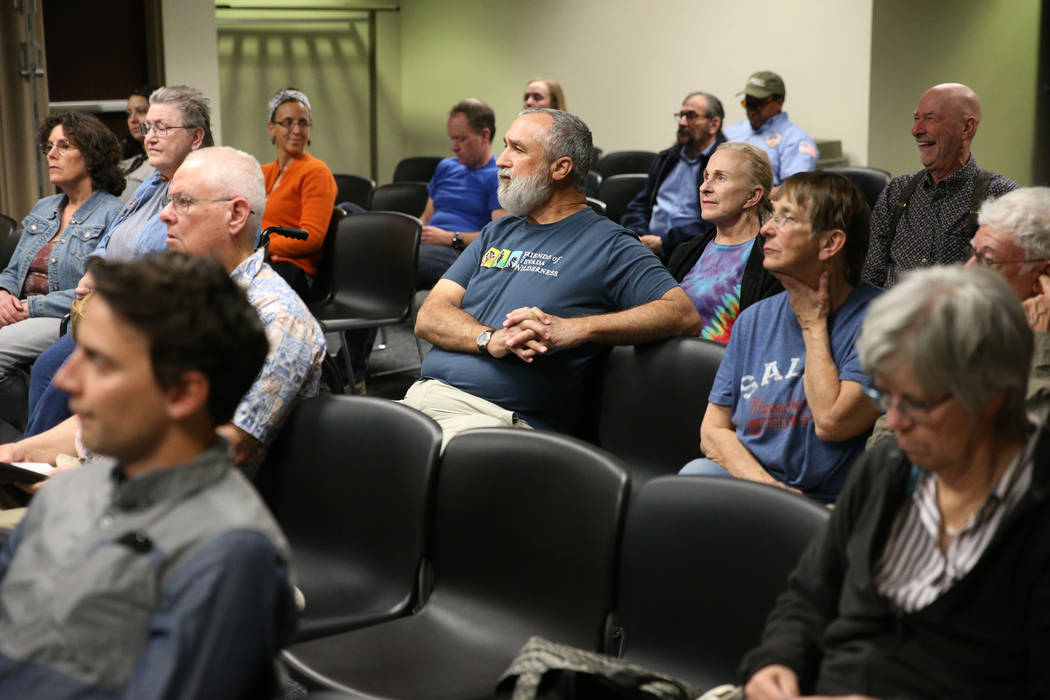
(582, 265)
(464, 198)
(760, 378)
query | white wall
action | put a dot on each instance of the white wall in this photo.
(190, 51)
(625, 65)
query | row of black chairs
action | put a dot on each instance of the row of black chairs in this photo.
(423, 576)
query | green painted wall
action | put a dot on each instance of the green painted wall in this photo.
(990, 45)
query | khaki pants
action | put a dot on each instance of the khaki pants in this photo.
(456, 410)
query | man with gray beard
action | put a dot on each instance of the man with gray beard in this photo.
(519, 317)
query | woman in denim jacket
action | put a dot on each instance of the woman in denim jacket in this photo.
(36, 288)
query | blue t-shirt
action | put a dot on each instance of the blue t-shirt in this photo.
(584, 264)
(760, 378)
(714, 286)
(463, 198)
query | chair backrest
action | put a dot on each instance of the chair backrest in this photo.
(594, 183)
(702, 563)
(526, 529)
(617, 191)
(620, 162)
(322, 288)
(350, 479)
(870, 181)
(416, 169)
(354, 188)
(406, 197)
(374, 263)
(597, 205)
(9, 235)
(653, 397)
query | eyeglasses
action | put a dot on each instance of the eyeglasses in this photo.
(918, 411)
(755, 103)
(689, 116)
(161, 129)
(782, 220)
(983, 259)
(290, 124)
(182, 203)
(62, 147)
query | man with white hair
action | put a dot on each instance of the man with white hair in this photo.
(927, 217)
(1014, 238)
(517, 319)
(214, 206)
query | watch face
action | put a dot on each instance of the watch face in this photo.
(483, 340)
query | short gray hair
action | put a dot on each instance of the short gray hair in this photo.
(567, 137)
(1024, 214)
(191, 103)
(958, 329)
(288, 94)
(229, 172)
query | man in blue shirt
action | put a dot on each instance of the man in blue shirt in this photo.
(667, 210)
(787, 407)
(789, 148)
(462, 191)
(518, 318)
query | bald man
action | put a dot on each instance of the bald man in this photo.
(928, 217)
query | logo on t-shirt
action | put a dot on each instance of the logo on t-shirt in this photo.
(771, 373)
(521, 261)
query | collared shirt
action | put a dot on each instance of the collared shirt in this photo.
(913, 570)
(677, 200)
(297, 346)
(934, 228)
(790, 149)
(139, 224)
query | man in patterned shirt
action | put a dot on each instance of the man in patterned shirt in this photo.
(928, 217)
(216, 200)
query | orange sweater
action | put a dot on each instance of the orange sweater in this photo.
(303, 199)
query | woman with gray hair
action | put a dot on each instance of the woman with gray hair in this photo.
(932, 578)
(722, 270)
(300, 190)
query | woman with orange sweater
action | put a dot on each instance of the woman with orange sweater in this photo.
(300, 191)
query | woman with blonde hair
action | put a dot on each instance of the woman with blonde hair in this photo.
(544, 92)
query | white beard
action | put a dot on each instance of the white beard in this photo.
(522, 194)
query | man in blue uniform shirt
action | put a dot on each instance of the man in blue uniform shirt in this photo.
(789, 148)
(517, 319)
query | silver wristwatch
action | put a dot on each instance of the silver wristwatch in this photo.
(483, 341)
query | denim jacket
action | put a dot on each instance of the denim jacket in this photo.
(66, 266)
(153, 236)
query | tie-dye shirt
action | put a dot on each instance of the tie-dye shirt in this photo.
(714, 286)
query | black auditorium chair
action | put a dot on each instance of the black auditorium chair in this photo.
(350, 479)
(653, 397)
(354, 188)
(597, 205)
(322, 287)
(416, 169)
(617, 191)
(9, 235)
(870, 181)
(702, 562)
(594, 183)
(374, 257)
(524, 542)
(406, 197)
(620, 162)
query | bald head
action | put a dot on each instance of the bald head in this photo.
(946, 120)
(228, 172)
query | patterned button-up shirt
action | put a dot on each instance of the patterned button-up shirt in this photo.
(293, 366)
(934, 228)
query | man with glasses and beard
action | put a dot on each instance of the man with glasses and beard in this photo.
(789, 148)
(667, 210)
(517, 319)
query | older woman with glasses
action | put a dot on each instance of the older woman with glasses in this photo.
(36, 287)
(177, 123)
(300, 191)
(932, 578)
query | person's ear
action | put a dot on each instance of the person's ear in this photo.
(561, 168)
(240, 210)
(187, 395)
(831, 243)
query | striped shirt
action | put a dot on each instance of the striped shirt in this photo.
(913, 570)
